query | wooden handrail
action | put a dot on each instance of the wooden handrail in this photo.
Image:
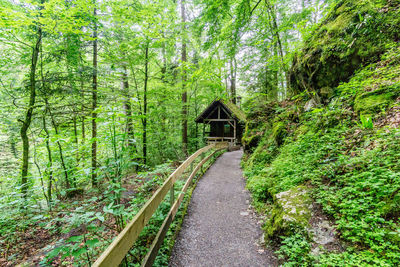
(117, 250)
(155, 246)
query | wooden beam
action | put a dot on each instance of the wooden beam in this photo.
(227, 112)
(218, 120)
(117, 250)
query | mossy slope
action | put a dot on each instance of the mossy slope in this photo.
(352, 170)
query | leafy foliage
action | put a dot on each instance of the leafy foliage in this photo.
(352, 168)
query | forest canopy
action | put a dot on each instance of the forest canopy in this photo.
(98, 99)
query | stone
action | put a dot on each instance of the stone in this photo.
(310, 104)
(292, 209)
(323, 233)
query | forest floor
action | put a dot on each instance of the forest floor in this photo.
(220, 227)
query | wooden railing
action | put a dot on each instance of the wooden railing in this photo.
(121, 245)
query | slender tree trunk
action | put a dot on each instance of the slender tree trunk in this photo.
(233, 67)
(163, 134)
(76, 141)
(83, 112)
(49, 169)
(196, 112)
(94, 104)
(13, 146)
(146, 78)
(275, 30)
(128, 114)
(55, 126)
(184, 89)
(29, 113)
(276, 74)
(35, 159)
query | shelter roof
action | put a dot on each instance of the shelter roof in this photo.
(234, 110)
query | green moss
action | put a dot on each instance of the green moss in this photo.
(327, 92)
(252, 136)
(336, 26)
(292, 210)
(371, 102)
(301, 130)
(279, 132)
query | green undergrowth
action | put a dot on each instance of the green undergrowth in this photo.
(347, 154)
(77, 236)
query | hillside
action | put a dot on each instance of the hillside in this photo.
(324, 165)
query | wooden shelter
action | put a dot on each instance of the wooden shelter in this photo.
(225, 120)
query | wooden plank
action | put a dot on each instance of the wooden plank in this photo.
(222, 145)
(155, 246)
(229, 114)
(207, 120)
(172, 195)
(117, 250)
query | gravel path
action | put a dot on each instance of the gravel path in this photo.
(219, 228)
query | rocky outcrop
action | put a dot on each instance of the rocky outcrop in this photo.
(353, 34)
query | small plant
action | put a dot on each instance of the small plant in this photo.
(366, 122)
(295, 249)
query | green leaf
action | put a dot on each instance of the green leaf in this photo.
(76, 238)
(92, 242)
(79, 251)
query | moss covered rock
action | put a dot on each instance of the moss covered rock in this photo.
(354, 33)
(279, 132)
(371, 102)
(292, 210)
(252, 135)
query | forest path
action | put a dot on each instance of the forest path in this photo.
(219, 228)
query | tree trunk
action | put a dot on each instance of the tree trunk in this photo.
(275, 30)
(59, 146)
(49, 169)
(233, 66)
(82, 112)
(76, 141)
(163, 135)
(94, 104)
(184, 90)
(144, 121)
(29, 113)
(128, 114)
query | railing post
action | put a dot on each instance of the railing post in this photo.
(202, 157)
(172, 195)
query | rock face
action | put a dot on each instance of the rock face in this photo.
(293, 210)
(355, 33)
